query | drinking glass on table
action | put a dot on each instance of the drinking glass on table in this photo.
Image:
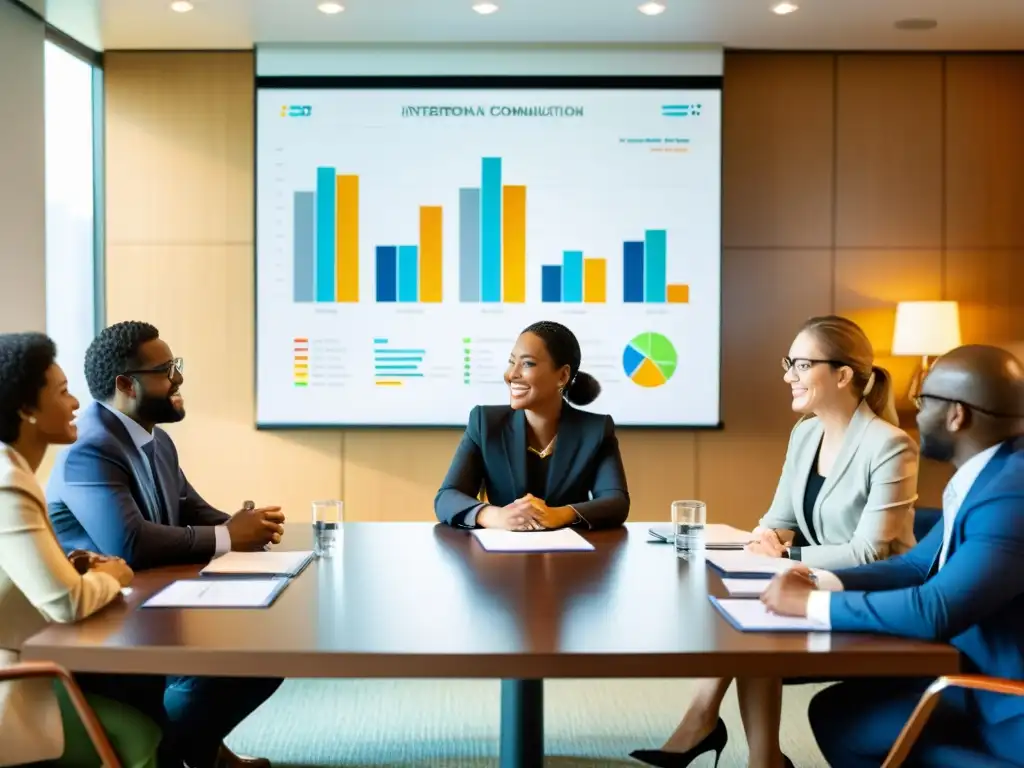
(688, 519)
(328, 518)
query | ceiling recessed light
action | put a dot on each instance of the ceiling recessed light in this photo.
(651, 8)
(182, 6)
(914, 25)
(485, 9)
(330, 8)
(783, 8)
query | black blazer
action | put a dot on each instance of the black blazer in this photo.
(586, 467)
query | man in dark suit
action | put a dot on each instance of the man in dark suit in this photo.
(119, 491)
(962, 584)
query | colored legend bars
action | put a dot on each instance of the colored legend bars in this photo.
(326, 240)
(492, 239)
(300, 362)
(644, 272)
(412, 273)
(393, 366)
(576, 279)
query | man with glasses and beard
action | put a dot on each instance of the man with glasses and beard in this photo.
(962, 584)
(119, 491)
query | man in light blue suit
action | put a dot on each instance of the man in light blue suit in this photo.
(962, 584)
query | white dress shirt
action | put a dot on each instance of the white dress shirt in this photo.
(819, 603)
(141, 438)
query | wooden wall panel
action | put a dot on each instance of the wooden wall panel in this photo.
(889, 152)
(778, 151)
(989, 285)
(180, 127)
(984, 152)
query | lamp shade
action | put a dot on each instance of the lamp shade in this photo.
(926, 328)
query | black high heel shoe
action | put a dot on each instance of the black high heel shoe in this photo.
(716, 740)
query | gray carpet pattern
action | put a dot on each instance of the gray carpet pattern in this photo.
(454, 724)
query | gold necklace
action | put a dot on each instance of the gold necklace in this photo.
(547, 451)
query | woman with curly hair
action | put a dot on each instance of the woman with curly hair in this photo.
(38, 583)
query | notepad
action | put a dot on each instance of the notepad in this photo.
(746, 565)
(218, 593)
(745, 587)
(754, 616)
(258, 564)
(716, 536)
(562, 540)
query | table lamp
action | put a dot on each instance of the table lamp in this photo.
(925, 329)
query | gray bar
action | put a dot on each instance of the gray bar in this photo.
(469, 245)
(304, 250)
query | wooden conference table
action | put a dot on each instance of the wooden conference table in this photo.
(418, 600)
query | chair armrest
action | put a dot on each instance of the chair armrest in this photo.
(98, 737)
(919, 717)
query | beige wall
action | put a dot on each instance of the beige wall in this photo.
(851, 182)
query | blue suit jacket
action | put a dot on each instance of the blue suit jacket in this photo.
(976, 602)
(586, 467)
(100, 497)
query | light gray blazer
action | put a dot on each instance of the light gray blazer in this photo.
(865, 510)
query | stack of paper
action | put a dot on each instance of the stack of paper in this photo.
(562, 540)
(746, 565)
(217, 593)
(258, 564)
(745, 587)
(754, 616)
(716, 536)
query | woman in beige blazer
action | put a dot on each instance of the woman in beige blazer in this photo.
(845, 497)
(38, 583)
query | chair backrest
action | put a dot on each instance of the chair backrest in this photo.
(925, 519)
(98, 737)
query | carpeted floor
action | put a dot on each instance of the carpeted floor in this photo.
(454, 724)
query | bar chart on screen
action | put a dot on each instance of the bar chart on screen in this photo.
(403, 249)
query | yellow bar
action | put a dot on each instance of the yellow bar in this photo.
(389, 383)
(678, 294)
(513, 244)
(595, 281)
(347, 239)
(430, 254)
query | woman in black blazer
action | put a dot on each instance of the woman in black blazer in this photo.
(541, 462)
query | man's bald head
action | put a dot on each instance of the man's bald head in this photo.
(988, 378)
(972, 398)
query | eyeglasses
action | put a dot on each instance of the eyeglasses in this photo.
(919, 404)
(804, 364)
(177, 365)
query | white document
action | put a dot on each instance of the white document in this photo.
(746, 587)
(719, 535)
(747, 563)
(258, 564)
(562, 540)
(754, 616)
(216, 593)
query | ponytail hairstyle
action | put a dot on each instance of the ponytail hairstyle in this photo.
(564, 349)
(844, 341)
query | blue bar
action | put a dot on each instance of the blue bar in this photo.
(633, 272)
(469, 245)
(408, 273)
(303, 235)
(490, 230)
(655, 276)
(387, 273)
(325, 192)
(572, 276)
(551, 283)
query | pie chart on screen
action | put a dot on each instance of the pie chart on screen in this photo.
(649, 359)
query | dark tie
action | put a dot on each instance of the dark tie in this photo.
(158, 487)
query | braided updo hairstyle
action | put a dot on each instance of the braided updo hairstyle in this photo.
(564, 349)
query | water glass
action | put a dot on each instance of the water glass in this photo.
(328, 518)
(688, 520)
